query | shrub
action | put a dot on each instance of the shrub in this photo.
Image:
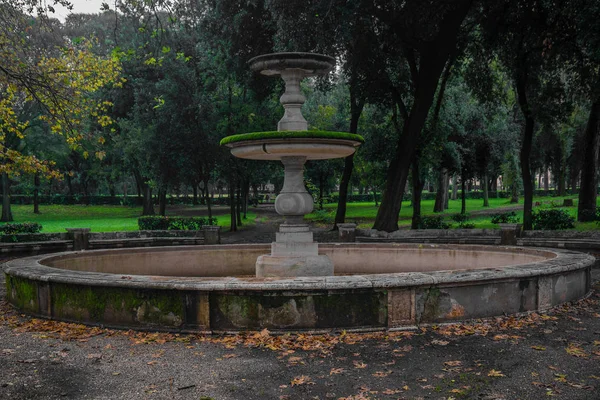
(505, 218)
(15, 228)
(161, 223)
(433, 222)
(462, 220)
(323, 216)
(552, 220)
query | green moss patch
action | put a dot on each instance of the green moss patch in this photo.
(291, 135)
(22, 293)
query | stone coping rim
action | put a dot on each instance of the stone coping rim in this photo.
(563, 261)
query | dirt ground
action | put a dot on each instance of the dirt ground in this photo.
(534, 357)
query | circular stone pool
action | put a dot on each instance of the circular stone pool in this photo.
(376, 286)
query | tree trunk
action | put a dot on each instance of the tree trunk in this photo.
(432, 61)
(463, 195)
(417, 190)
(441, 197)
(238, 205)
(147, 204)
(36, 193)
(232, 208)
(162, 202)
(546, 180)
(195, 194)
(454, 187)
(486, 199)
(588, 189)
(525, 153)
(207, 198)
(6, 211)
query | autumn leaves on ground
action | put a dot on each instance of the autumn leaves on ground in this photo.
(538, 356)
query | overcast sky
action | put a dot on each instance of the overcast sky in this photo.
(81, 7)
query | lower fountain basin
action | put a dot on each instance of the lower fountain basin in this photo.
(377, 286)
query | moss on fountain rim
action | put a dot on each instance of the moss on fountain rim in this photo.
(291, 135)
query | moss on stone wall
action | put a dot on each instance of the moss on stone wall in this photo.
(117, 305)
(22, 293)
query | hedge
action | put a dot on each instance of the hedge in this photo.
(162, 223)
(24, 227)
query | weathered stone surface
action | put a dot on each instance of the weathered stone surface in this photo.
(401, 307)
(374, 300)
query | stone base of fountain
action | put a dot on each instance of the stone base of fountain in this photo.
(294, 253)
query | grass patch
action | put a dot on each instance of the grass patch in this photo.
(363, 213)
(55, 218)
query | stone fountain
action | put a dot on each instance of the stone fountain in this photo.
(294, 253)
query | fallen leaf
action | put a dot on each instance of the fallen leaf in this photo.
(440, 342)
(381, 374)
(359, 364)
(539, 348)
(575, 351)
(453, 363)
(335, 371)
(302, 380)
(495, 373)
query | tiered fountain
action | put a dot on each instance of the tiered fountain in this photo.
(294, 253)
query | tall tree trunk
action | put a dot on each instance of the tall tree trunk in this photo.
(463, 194)
(417, 190)
(432, 61)
(588, 189)
(441, 197)
(195, 194)
(207, 197)
(525, 153)
(232, 207)
(238, 205)
(6, 211)
(36, 193)
(546, 180)
(147, 203)
(486, 199)
(162, 201)
(454, 187)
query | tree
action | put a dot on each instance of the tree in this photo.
(60, 84)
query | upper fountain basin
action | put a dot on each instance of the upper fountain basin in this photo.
(314, 145)
(273, 64)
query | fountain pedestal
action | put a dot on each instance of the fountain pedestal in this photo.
(294, 252)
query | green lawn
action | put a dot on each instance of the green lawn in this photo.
(55, 218)
(364, 213)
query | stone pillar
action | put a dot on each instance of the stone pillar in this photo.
(80, 238)
(347, 232)
(509, 234)
(293, 200)
(292, 101)
(212, 234)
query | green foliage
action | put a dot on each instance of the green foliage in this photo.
(552, 220)
(323, 216)
(505, 218)
(291, 135)
(462, 220)
(24, 227)
(433, 222)
(161, 223)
